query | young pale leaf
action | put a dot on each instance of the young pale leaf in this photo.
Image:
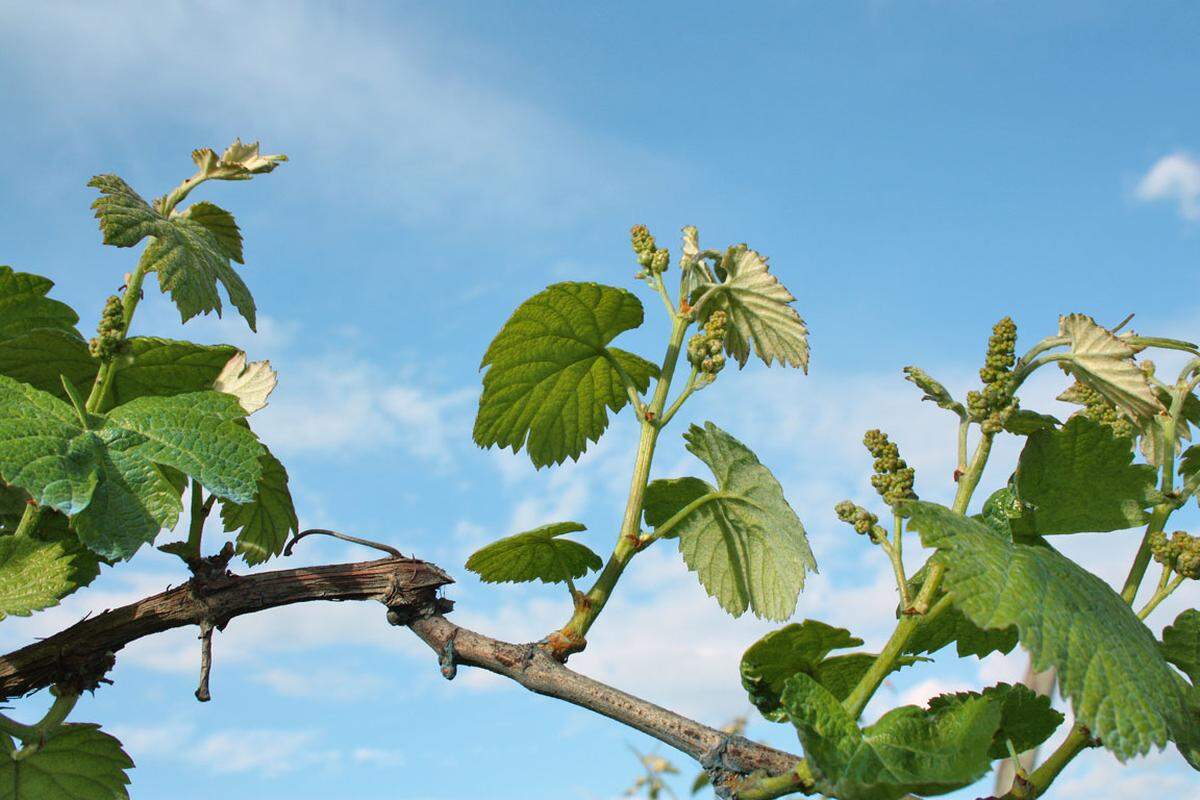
(250, 383)
(1026, 718)
(41, 358)
(189, 258)
(550, 381)
(909, 749)
(759, 311)
(25, 307)
(934, 391)
(1109, 665)
(222, 225)
(536, 555)
(666, 497)
(745, 544)
(1105, 363)
(1081, 479)
(266, 522)
(1181, 644)
(33, 575)
(239, 162)
(163, 367)
(77, 762)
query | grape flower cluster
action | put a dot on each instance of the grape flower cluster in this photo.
(653, 259)
(109, 332)
(1180, 552)
(993, 406)
(704, 350)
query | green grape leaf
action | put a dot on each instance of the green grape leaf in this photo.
(1081, 478)
(1026, 718)
(934, 391)
(840, 674)
(199, 434)
(909, 749)
(550, 381)
(190, 262)
(1181, 644)
(41, 357)
(158, 367)
(44, 449)
(222, 225)
(668, 496)
(759, 310)
(55, 528)
(701, 780)
(1024, 422)
(536, 555)
(799, 647)
(24, 305)
(1005, 514)
(33, 575)
(1108, 663)
(189, 258)
(746, 544)
(108, 478)
(1106, 363)
(77, 762)
(265, 523)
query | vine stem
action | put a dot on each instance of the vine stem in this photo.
(33, 736)
(30, 517)
(1164, 591)
(1078, 740)
(572, 637)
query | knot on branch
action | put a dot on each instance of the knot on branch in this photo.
(79, 672)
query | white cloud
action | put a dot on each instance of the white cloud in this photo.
(418, 126)
(1174, 178)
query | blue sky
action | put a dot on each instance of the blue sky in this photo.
(914, 170)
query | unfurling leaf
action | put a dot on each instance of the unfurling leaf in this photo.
(189, 258)
(1105, 363)
(1081, 478)
(745, 544)
(24, 305)
(934, 391)
(551, 381)
(77, 762)
(266, 522)
(759, 310)
(250, 383)
(910, 749)
(1108, 663)
(1026, 718)
(536, 555)
(239, 162)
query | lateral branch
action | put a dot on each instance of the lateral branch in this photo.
(79, 656)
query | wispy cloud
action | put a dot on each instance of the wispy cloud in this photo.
(1174, 178)
(393, 101)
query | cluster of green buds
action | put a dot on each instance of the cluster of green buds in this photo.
(893, 478)
(705, 350)
(1097, 408)
(654, 259)
(992, 406)
(110, 332)
(863, 521)
(1180, 553)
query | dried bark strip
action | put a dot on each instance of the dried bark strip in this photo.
(80, 655)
